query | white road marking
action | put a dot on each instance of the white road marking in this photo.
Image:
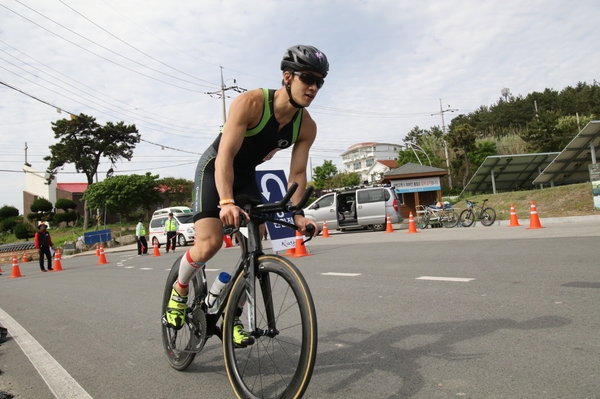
(55, 376)
(341, 274)
(212, 270)
(459, 279)
(145, 268)
(129, 267)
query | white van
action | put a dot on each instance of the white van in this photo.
(355, 208)
(185, 230)
(174, 209)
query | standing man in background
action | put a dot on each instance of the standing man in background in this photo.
(171, 231)
(140, 233)
(43, 243)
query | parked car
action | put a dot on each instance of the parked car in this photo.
(356, 208)
(185, 229)
(174, 209)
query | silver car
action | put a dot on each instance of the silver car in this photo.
(361, 207)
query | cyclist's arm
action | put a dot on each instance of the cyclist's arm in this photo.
(242, 114)
(300, 153)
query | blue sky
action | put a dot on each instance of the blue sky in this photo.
(391, 61)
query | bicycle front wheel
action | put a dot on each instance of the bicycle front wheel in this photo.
(280, 362)
(449, 219)
(488, 217)
(181, 346)
(467, 218)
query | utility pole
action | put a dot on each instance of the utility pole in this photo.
(442, 111)
(222, 91)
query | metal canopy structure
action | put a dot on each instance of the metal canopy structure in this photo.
(509, 172)
(571, 165)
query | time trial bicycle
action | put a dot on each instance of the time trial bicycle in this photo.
(487, 216)
(271, 296)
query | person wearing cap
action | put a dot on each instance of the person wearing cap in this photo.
(43, 242)
(140, 233)
(261, 122)
(171, 227)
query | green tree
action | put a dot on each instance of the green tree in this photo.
(124, 194)
(348, 179)
(462, 140)
(8, 211)
(9, 217)
(42, 210)
(65, 204)
(24, 231)
(176, 191)
(83, 142)
(321, 174)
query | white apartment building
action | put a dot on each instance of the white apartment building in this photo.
(365, 158)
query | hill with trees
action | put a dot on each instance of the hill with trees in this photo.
(538, 122)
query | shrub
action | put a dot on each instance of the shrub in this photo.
(24, 231)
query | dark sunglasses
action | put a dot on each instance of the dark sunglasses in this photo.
(310, 79)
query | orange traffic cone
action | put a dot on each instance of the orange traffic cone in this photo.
(16, 272)
(25, 258)
(534, 219)
(290, 252)
(97, 250)
(388, 225)
(227, 241)
(57, 263)
(514, 221)
(156, 250)
(300, 247)
(1, 271)
(412, 227)
(102, 258)
(325, 230)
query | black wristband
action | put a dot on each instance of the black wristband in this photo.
(298, 212)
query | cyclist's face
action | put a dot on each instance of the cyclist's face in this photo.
(304, 85)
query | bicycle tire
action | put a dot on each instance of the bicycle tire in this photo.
(423, 221)
(450, 219)
(181, 346)
(488, 217)
(280, 365)
(467, 218)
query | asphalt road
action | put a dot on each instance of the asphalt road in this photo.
(496, 312)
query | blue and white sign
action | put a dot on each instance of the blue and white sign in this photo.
(273, 186)
(417, 185)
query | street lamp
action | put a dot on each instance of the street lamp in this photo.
(505, 93)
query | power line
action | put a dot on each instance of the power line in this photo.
(106, 59)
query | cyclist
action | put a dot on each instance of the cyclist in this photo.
(261, 122)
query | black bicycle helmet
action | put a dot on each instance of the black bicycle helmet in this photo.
(300, 57)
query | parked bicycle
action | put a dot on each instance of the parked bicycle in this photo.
(487, 216)
(267, 291)
(447, 217)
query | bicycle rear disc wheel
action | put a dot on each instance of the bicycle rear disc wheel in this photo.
(280, 362)
(449, 219)
(181, 346)
(467, 218)
(488, 217)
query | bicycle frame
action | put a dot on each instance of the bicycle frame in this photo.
(251, 249)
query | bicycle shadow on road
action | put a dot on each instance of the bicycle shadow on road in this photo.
(398, 350)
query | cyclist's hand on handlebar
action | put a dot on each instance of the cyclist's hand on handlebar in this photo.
(303, 226)
(230, 215)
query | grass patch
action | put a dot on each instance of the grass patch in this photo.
(571, 200)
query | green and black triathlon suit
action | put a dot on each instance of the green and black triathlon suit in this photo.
(259, 145)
